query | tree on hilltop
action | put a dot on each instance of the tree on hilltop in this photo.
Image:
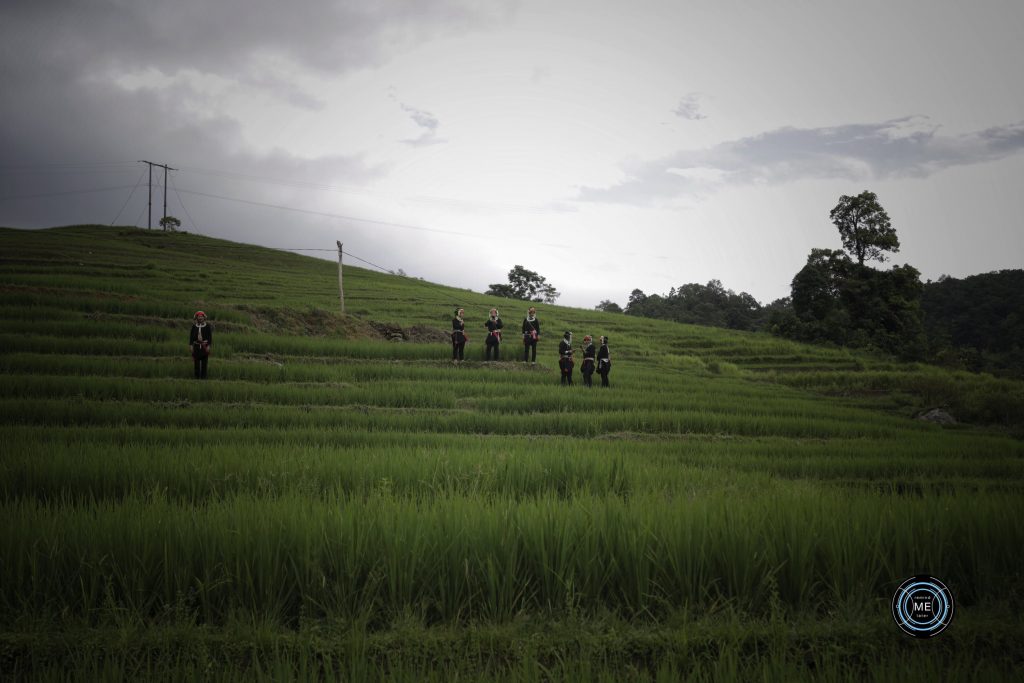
(170, 223)
(526, 285)
(864, 227)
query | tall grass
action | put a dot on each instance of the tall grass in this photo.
(455, 558)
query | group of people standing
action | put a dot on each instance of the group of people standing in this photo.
(594, 359)
(597, 360)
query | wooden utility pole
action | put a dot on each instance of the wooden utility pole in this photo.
(341, 285)
(149, 221)
(165, 196)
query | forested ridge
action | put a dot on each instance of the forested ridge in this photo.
(975, 323)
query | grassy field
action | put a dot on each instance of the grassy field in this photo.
(332, 504)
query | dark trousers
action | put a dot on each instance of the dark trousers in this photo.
(527, 345)
(565, 365)
(588, 373)
(497, 352)
(458, 350)
(200, 363)
(604, 378)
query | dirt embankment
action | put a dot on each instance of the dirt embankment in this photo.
(320, 323)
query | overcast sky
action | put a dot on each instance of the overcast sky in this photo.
(607, 145)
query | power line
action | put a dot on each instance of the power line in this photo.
(226, 174)
(367, 262)
(183, 207)
(139, 217)
(66, 192)
(304, 184)
(67, 172)
(334, 251)
(63, 165)
(330, 215)
(130, 194)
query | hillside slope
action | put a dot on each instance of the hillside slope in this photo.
(336, 503)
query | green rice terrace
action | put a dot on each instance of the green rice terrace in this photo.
(338, 501)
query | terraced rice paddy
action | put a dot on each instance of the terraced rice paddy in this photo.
(331, 505)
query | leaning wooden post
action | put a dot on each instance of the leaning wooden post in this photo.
(341, 286)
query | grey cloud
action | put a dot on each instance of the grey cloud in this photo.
(1006, 138)
(425, 120)
(905, 147)
(689, 108)
(425, 140)
(285, 91)
(58, 119)
(223, 37)
(59, 61)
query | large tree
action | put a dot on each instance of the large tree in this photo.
(837, 300)
(864, 227)
(526, 285)
(817, 288)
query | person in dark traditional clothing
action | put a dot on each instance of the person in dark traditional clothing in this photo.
(565, 361)
(531, 333)
(604, 361)
(589, 363)
(458, 335)
(200, 339)
(493, 340)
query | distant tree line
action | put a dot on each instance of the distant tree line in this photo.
(976, 323)
(710, 304)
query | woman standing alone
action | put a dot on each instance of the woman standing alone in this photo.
(200, 338)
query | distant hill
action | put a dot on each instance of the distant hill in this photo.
(974, 323)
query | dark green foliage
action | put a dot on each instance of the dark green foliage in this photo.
(709, 304)
(836, 300)
(608, 307)
(977, 322)
(170, 223)
(818, 297)
(526, 285)
(864, 227)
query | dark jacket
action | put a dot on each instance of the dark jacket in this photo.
(564, 349)
(458, 330)
(588, 359)
(494, 330)
(604, 359)
(205, 343)
(531, 326)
